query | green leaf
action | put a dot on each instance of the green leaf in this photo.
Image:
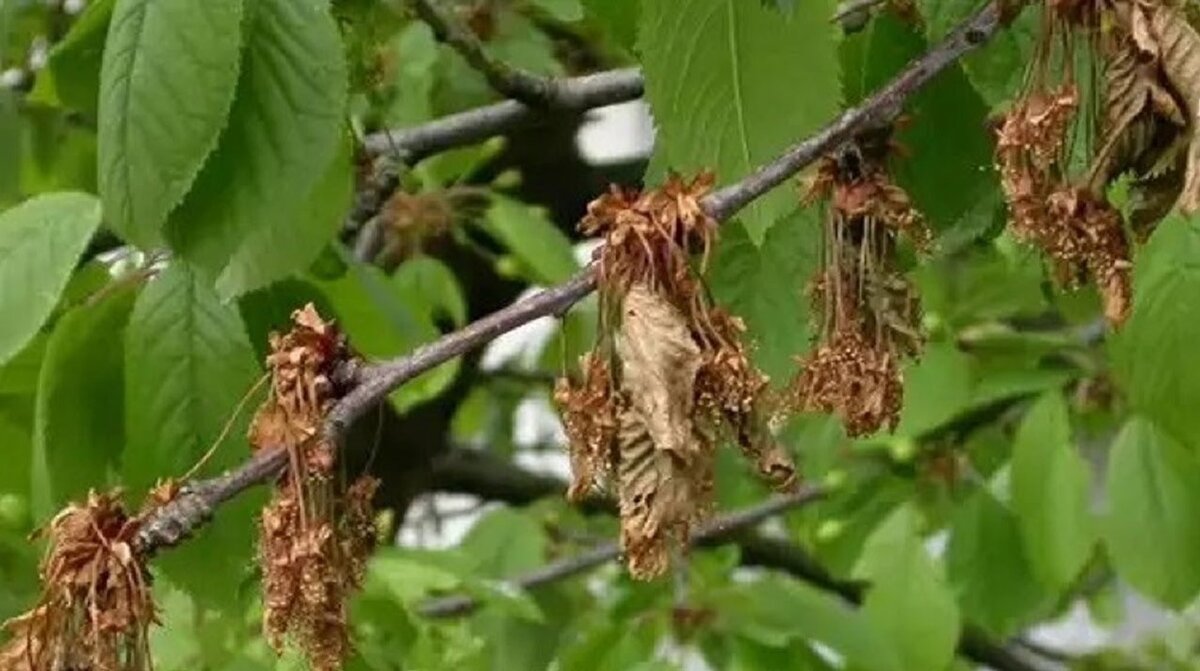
(909, 600)
(188, 364)
(255, 198)
(1153, 526)
(1050, 493)
(998, 68)
(275, 250)
(764, 285)
(568, 11)
(406, 578)
(167, 81)
(71, 77)
(504, 543)
(776, 610)
(988, 568)
(936, 388)
(79, 426)
(382, 322)
(618, 17)
(946, 113)
(416, 51)
(431, 289)
(1153, 353)
(40, 242)
(732, 83)
(543, 250)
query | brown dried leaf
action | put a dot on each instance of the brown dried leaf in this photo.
(589, 414)
(1178, 48)
(96, 605)
(659, 361)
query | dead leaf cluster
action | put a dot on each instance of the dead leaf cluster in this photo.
(669, 377)
(1150, 99)
(870, 315)
(96, 606)
(315, 536)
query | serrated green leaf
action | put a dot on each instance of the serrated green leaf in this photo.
(1152, 354)
(188, 365)
(764, 285)
(1050, 493)
(167, 81)
(909, 600)
(1152, 529)
(543, 250)
(719, 77)
(79, 426)
(988, 569)
(406, 578)
(71, 76)
(253, 200)
(775, 610)
(16, 435)
(40, 243)
(276, 249)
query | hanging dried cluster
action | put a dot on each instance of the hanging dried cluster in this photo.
(315, 538)
(96, 606)
(668, 377)
(870, 315)
(1151, 90)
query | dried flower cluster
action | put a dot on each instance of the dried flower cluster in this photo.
(870, 315)
(314, 539)
(669, 376)
(96, 605)
(1151, 98)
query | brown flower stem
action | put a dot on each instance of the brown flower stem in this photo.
(718, 530)
(374, 383)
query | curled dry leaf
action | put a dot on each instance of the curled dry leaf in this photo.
(96, 605)
(314, 537)
(665, 465)
(648, 428)
(1164, 31)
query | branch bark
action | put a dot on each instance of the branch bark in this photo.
(716, 531)
(479, 473)
(574, 94)
(373, 383)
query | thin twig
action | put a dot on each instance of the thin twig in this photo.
(720, 529)
(507, 80)
(877, 110)
(574, 94)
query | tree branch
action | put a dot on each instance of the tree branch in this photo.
(716, 531)
(483, 474)
(507, 80)
(373, 383)
(574, 94)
